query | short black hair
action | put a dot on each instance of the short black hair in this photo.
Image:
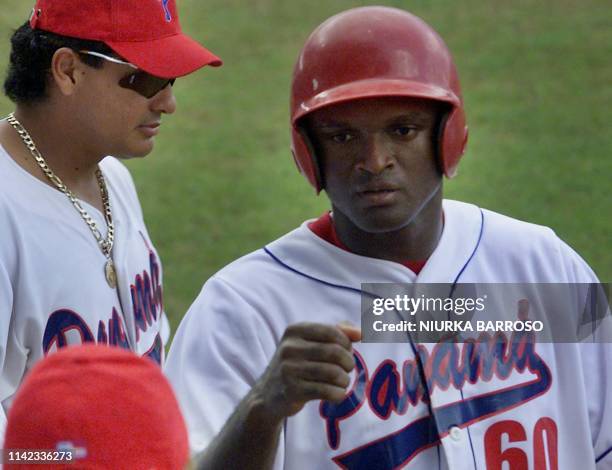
(30, 61)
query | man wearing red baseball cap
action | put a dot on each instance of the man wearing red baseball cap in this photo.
(89, 79)
(146, 33)
(93, 407)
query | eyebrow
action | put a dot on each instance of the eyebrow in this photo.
(417, 116)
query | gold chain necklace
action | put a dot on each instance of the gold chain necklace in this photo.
(106, 245)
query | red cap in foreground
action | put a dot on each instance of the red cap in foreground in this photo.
(110, 407)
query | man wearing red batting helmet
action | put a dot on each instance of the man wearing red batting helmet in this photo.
(89, 79)
(266, 366)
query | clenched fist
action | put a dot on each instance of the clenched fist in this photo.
(312, 362)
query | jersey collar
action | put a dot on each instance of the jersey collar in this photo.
(304, 252)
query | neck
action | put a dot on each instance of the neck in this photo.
(58, 142)
(415, 241)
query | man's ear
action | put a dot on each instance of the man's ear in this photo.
(66, 70)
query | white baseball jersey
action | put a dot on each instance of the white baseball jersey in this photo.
(53, 289)
(547, 406)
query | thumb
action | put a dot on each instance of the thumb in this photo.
(353, 332)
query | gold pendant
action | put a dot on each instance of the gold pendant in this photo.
(111, 274)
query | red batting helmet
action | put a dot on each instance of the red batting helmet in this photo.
(375, 52)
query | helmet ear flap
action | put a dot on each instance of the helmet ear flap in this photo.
(305, 157)
(452, 140)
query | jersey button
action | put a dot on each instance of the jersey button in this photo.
(455, 433)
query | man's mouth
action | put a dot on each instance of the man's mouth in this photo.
(378, 196)
(150, 129)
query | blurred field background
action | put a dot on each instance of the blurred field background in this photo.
(536, 76)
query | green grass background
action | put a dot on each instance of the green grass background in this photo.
(536, 76)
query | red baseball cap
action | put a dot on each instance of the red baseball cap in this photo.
(146, 33)
(108, 406)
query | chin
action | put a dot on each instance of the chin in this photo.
(380, 221)
(136, 151)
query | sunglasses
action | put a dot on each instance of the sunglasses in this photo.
(141, 82)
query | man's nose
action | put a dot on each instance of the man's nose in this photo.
(164, 101)
(377, 155)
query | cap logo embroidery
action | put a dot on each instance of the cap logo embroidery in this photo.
(166, 10)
